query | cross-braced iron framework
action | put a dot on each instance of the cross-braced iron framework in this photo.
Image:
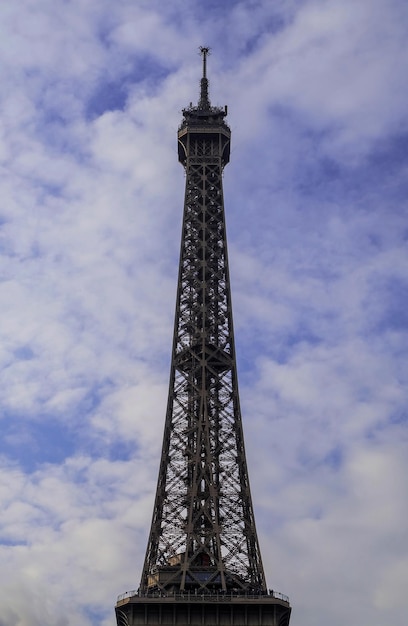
(203, 534)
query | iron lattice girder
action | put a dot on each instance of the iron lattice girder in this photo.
(203, 531)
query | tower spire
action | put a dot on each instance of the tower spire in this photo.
(204, 102)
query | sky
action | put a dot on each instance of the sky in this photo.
(91, 94)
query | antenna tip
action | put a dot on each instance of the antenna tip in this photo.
(204, 50)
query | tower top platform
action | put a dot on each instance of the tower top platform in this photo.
(204, 122)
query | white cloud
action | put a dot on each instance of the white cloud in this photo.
(337, 67)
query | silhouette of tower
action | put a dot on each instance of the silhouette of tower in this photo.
(203, 564)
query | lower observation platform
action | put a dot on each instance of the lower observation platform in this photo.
(217, 609)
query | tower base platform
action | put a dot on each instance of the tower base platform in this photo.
(202, 610)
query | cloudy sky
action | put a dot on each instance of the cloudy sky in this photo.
(90, 216)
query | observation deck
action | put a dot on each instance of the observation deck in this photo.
(200, 609)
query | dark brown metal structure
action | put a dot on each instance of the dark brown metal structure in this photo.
(203, 564)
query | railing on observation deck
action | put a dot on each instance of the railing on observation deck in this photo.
(216, 596)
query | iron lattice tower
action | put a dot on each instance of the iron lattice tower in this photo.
(203, 541)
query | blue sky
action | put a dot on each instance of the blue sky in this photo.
(90, 216)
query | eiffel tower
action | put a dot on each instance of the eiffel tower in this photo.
(203, 564)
